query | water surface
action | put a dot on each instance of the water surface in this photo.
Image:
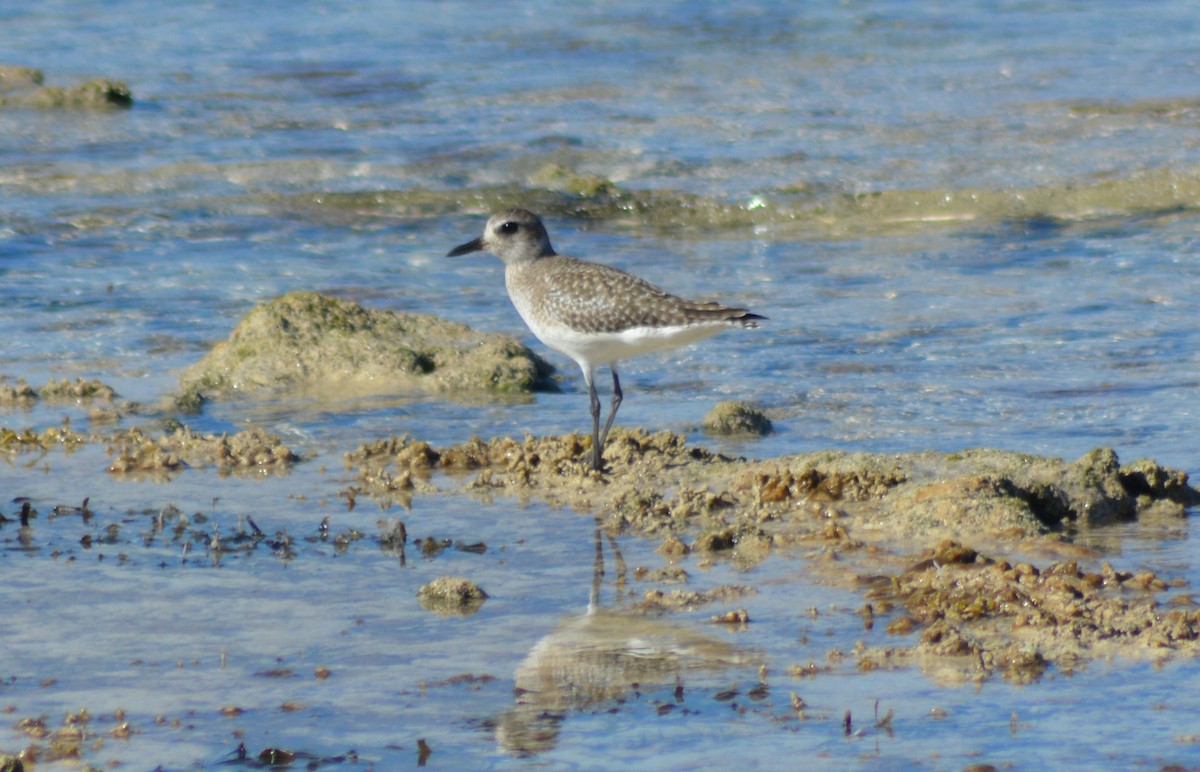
(970, 225)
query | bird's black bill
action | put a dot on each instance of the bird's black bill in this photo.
(475, 245)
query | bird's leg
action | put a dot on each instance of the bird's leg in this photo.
(616, 403)
(597, 448)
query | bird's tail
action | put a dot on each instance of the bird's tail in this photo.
(715, 312)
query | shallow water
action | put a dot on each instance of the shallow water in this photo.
(970, 225)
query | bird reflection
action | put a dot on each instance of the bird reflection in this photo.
(601, 656)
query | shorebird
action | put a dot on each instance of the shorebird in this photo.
(593, 313)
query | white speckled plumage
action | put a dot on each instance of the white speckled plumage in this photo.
(593, 313)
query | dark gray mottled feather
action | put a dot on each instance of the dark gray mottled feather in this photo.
(591, 297)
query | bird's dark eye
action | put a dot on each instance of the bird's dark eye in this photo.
(509, 227)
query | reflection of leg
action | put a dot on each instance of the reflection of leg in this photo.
(616, 403)
(597, 572)
(618, 562)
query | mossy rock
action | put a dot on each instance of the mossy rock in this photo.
(311, 343)
(737, 419)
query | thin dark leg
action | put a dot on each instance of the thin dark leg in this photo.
(597, 443)
(616, 403)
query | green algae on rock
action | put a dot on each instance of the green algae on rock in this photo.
(309, 342)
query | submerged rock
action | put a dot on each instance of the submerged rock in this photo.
(16, 78)
(451, 596)
(560, 178)
(308, 342)
(252, 451)
(22, 87)
(20, 393)
(556, 190)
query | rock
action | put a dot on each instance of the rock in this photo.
(974, 491)
(78, 390)
(252, 451)
(733, 419)
(451, 596)
(22, 87)
(20, 394)
(99, 93)
(14, 78)
(560, 178)
(715, 541)
(1146, 478)
(987, 488)
(827, 476)
(841, 499)
(308, 342)
(1095, 490)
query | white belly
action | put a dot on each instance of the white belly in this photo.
(598, 348)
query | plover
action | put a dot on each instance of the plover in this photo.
(593, 313)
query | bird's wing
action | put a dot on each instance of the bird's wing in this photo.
(591, 297)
